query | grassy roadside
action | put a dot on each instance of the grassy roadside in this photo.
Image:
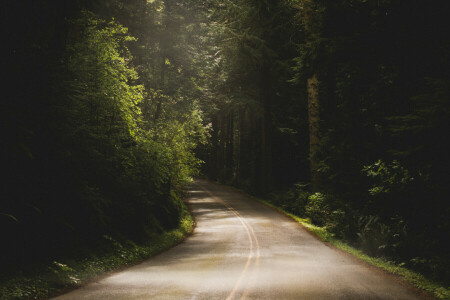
(54, 278)
(416, 279)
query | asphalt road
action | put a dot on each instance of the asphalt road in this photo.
(242, 249)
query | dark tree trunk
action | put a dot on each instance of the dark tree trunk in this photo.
(266, 157)
(314, 127)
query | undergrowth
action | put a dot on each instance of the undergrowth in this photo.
(50, 279)
(417, 279)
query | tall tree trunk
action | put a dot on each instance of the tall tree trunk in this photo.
(266, 156)
(214, 154)
(222, 146)
(244, 147)
(314, 127)
(230, 146)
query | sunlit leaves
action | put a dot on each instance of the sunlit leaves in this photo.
(101, 70)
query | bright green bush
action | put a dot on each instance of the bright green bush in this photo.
(387, 176)
(318, 209)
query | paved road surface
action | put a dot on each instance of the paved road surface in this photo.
(242, 249)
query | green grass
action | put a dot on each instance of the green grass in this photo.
(416, 279)
(58, 276)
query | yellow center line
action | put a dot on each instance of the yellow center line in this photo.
(250, 234)
(252, 276)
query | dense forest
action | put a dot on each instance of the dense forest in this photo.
(100, 125)
(337, 111)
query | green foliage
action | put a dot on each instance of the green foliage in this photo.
(375, 102)
(388, 177)
(256, 117)
(340, 223)
(63, 275)
(105, 117)
(147, 157)
(114, 131)
(317, 209)
(101, 84)
(436, 288)
(379, 239)
(293, 200)
(419, 130)
(44, 280)
(111, 100)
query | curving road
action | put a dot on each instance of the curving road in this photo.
(242, 249)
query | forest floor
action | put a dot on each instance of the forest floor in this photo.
(244, 249)
(53, 278)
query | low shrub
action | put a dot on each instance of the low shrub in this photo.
(381, 238)
(318, 209)
(293, 200)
